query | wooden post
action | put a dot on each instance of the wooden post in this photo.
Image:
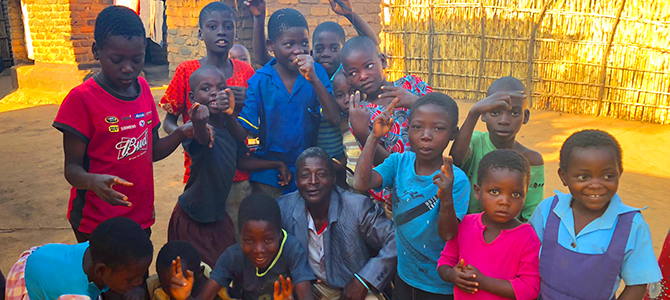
(531, 53)
(431, 42)
(404, 41)
(603, 66)
(482, 53)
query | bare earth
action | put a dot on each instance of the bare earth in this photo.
(34, 193)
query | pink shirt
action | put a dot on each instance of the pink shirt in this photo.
(513, 256)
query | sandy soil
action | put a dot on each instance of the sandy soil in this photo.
(34, 193)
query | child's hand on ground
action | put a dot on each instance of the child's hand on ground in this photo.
(257, 7)
(463, 281)
(188, 130)
(497, 101)
(354, 290)
(306, 64)
(392, 92)
(337, 7)
(285, 174)
(240, 94)
(359, 116)
(283, 292)
(102, 186)
(229, 102)
(181, 286)
(384, 121)
(199, 114)
(445, 180)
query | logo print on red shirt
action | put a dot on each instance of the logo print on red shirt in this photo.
(129, 146)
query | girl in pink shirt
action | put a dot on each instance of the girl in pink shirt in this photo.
(494, 255)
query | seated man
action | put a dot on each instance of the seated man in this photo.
(339, 229)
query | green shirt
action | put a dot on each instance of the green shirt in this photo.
(481, 145)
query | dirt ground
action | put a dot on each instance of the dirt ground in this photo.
(34, 193)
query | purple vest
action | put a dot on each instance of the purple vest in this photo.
(568, 275)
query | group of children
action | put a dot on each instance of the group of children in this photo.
(459, 220)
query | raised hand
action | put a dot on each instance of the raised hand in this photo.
(240, 94)
(392, 92)
(188, 130)
(285, 174)
(306, 66)
(384, 121)
(257, 7)
(445, 180)
(463, 281)
(102, 186)
(497, 101)
(341, 7)
(199, 114)
(359, 116)
(180, 286)
(230, 101)
(283, 292)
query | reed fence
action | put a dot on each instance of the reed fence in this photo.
(603, 58)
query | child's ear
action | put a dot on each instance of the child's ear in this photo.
(200, 34)
(96, 51)
(270, 45)
(476, 188)
(382, 57)
(563, 176)
(191, 97)
(454, 133)
(526, 116)
(483, 117)
(100, 270)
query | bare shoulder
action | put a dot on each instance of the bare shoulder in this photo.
(533, 157)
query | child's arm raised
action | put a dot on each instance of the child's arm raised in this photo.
(359, 118)
(364, 178)
(498, 101)
(252, 164)
(257, 8)
(233, 126)
(345, 9)
(170, 123)
(633, 292)
(331, 111)
(447, 225)
(79, 178)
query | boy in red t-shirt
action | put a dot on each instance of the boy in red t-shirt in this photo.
(110, 131)
(217, 31)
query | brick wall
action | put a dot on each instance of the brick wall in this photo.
(16, 34)
(61, 30)
(182, 23)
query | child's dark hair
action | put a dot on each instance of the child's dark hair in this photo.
(117, 20)
(212, 7)
(315, 152)
(590, 138)
(440, 100)
(197, 74)
(330, 26)
(284, 19)
(506, 84)
(503, 159)
(358, 43)
(259, 207)
(118, 242)
(183, 249)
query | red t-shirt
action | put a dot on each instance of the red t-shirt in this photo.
(175, 100)
(119, 137)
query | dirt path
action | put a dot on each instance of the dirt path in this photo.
(34, 193)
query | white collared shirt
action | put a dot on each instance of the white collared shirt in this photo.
(316, 250)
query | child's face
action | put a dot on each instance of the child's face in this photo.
(239, 52)
(505, 124)
(210, 91)
(365, 71)
(592, 177)
(260, 242)
(218, 32)
(314, 180)
(326, 51)
(124, 278)
(342, 92)
(430, 131)
(502, 194)
(288, 45)
(121, 59)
